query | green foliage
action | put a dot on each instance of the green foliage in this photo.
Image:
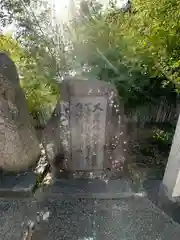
(41, 101)
(34, 49)
(153, 37)
(125, 48)
(11, 47)
(163, 136)
(40, 90)
(10, 8)
(137, 50)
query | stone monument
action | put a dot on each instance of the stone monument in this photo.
(87, 128)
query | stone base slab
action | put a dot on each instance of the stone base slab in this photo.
(17, 185)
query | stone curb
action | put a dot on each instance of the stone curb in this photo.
(24, 184)
(98, 196)
(18, 186)
(25, 187)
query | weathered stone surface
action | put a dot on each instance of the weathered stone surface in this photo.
(14, 216)
(88, 121)
(91, 188)
(51, 138)
(127, 218)
(171, 180)
(19, 147)
(132, 218)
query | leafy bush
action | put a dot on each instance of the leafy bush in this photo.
(41, 101)
(162, 136)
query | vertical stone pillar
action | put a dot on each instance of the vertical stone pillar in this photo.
(171, 180)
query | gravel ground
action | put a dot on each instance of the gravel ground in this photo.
(72, 218)
(14, 216)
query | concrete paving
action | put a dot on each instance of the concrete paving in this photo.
(129, 218)
(14, 216)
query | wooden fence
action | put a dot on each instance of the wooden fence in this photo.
(154, 113)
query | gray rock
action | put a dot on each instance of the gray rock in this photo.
(87, 128)
(19, 146)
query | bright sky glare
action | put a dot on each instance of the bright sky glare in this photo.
(61, 10)
(61, 6)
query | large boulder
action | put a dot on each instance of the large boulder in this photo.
(19, 146)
